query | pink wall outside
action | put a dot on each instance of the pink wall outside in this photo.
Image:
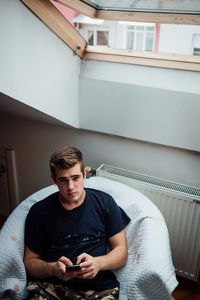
(157, 37)
(67, 12)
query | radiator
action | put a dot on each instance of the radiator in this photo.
(180, 206)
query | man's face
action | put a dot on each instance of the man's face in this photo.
(70, 183)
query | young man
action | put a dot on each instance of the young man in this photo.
(70, 227)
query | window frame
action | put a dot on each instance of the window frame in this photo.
(144, 58)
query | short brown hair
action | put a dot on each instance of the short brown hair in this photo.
(66, 158)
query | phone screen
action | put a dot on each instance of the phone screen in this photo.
(73, 268)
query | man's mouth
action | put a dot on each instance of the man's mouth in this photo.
(72, 194)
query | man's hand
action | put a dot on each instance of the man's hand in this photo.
(60, 269)
(116, 258)
(90, 266)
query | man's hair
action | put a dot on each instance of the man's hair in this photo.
(66, 158)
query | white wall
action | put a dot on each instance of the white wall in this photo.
(144, 115)
(177, 38)
(144, 103)
(148, 104)
(36, 67)
(34, 142)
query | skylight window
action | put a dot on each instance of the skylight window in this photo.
(160, 33)
(158, 6)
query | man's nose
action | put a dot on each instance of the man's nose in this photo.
(70, 184)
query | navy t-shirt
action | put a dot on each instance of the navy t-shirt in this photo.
(52, 231)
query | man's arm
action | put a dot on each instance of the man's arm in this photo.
(116, 258)
(41, 269)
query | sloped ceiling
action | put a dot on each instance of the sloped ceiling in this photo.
(12, 107)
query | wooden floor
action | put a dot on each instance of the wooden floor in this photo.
(186, 290)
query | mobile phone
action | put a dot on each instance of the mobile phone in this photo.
(73, 268)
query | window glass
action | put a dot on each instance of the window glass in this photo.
(139, 41)
(150, 28)
(130, 27)
(141, 28)
(163, 6)
(102, 38)
(196, 44)
(196, 51)
(149, 41)
(140, 38)
(130, 40)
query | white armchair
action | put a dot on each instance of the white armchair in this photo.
(148, 273)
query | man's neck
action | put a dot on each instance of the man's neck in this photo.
(69, 205)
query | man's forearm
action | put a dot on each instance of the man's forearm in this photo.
(38, 268)
(114, 259)
(41, 269)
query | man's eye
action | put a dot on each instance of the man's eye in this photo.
(75, 177)
(62, 180)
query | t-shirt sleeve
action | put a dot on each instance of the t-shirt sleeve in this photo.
(34, 231)
(116, 218)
